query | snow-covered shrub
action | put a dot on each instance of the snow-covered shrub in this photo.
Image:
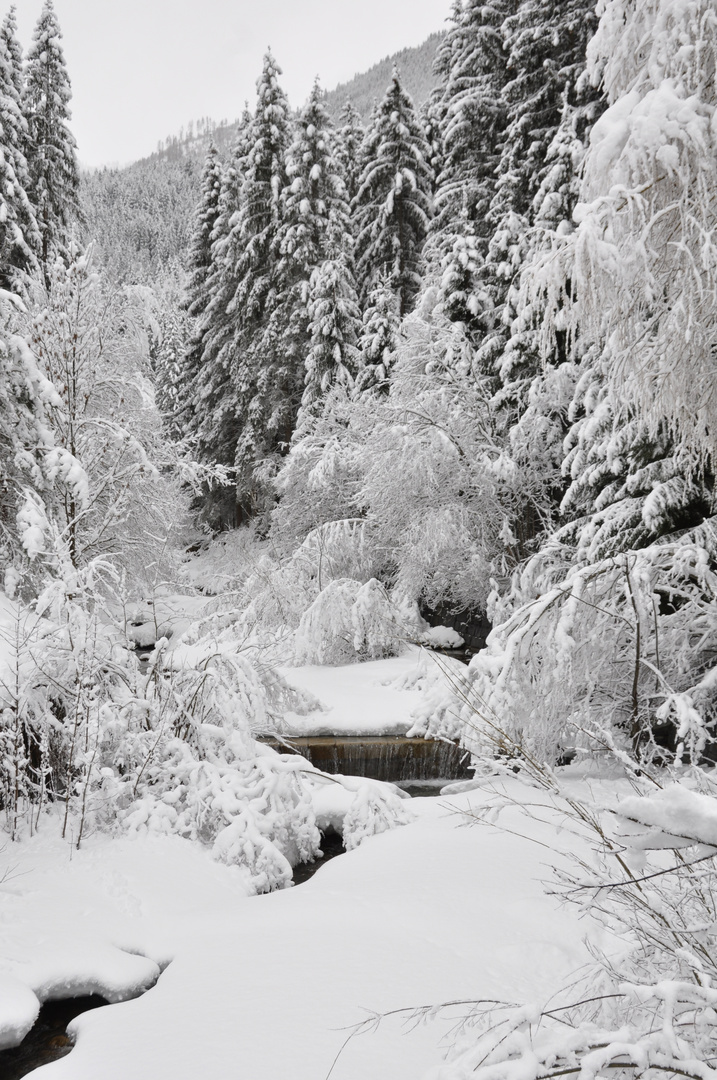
(325, 633)
(377, 628)
(347, 622)
(372, 812)
(621, 650)
(166, 749)
(648, 1007)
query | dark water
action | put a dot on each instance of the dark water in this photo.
(331, 845)
(47, 1041)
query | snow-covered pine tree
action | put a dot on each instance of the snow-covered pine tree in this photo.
(431, 116)
(393, 205)
(315, 226)
(629, 485)
(546, 46)
(471, 61)
(247, 272)
(351, 134)
(170, 345)
(334, 324)
(200, 265)
(13, 50)
(25, 438)
(52, 163)
(379, 337)
(19, 236)
(213, 422)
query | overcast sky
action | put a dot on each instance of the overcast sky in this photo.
(141, 69)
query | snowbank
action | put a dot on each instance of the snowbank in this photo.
(361, 699)
(268, 987)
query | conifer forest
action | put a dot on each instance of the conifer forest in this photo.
(386, 425)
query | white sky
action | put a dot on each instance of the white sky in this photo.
(141, 69)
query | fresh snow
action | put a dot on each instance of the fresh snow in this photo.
(269, 987)
(358, 699)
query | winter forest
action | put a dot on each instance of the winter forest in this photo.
(393, 424)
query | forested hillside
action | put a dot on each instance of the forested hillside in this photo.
(365, 89)
(139, 216)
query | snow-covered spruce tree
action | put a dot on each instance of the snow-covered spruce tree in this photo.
(379, 337)
(199, 267)
(170, 345)
(25, 439)
(260, 396)
(19, 237)
(535, 391)
(238, 349)
(631, 483)
(213, 422)
(334, 324)
(13, 50)
(52, 163)
(313, 301)
(333, 358)
(546, 46)
(471, 61)
(393, 204)
(351, 133)
(431, 116)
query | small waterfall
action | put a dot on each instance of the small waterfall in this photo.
(381, 757)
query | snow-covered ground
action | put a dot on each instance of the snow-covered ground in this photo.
(359, 699)
(267, 986)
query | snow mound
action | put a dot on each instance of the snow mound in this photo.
(18, 1011)
(442, 637)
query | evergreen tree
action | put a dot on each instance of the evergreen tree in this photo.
(212, 403)
(351, 134)
(315, 226)
(240, 425)
(334, 325)
(393, 203)
(18, 228)
(471, 61)
(547, 45)
(200, 267)
(13, 51)
(54, 176)
(379, 337)
(431, 116)
(629, 486)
